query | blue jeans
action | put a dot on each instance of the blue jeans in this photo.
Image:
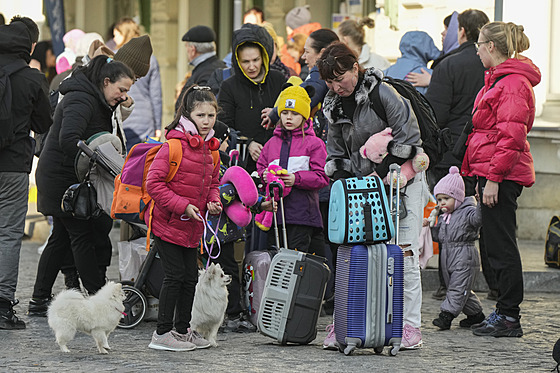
(14, 191)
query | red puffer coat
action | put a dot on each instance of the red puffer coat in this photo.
(498, 148)
(196, 182)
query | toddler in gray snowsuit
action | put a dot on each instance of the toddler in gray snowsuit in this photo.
(456, 230)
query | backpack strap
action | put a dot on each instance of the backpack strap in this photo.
(216, 158)
(175, 158)
(375, 101)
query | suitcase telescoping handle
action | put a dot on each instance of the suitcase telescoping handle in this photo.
(276, 188)
(395, 178)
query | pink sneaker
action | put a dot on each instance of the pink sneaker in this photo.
(330, 342)
(412, 338)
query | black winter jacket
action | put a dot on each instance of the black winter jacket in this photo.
(30, 102)
(241, 99)
(455, 83)
(200, 75)
(82, 113)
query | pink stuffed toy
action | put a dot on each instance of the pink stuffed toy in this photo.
(264, 219)
(246, 194)
(375, 149)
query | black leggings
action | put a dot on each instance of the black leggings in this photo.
(499, 226)
(177, 292)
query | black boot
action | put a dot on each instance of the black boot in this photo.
(472, 320)
(8, 318)
(39, 306)
(443, 322)
(71, 278)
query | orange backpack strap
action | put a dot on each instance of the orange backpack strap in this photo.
(216, 158)
(175, 158)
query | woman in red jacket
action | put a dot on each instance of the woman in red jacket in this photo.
(176, 220)
(498, 154)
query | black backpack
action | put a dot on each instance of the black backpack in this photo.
(552, 245)
(6, 123)
(435, 140)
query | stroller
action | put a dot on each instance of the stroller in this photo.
(150, 277)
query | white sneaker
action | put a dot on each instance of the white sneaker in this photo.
(195, 338)
(170, 341)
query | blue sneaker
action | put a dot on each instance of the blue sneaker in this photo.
(496, 325)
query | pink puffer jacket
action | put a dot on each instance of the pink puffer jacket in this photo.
(498, 148)
(196, 182)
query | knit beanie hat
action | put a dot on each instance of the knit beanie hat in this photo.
(221, 131)
(136, 55)
(452, 185)
(298, 16)
(294, 98)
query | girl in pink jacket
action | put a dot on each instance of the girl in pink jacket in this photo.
(176, 221)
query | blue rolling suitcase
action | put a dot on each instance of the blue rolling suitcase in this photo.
(369, 291)
(368, 298)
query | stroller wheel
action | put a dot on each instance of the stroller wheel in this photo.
(135, 306)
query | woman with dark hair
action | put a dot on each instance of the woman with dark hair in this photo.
(90, 97)
(352, 120)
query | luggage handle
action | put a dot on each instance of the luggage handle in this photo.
(368, 224)
(276, 186)
(394, 205)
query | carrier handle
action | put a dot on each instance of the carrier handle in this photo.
(395, 203)
(273, 186)
(368, 223)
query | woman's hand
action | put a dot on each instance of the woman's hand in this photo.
(192, 212)
(490, 193)
(288, 179)
(425, 222)
(214, 208)
(419, 79)
(255, 150)
(265, 120)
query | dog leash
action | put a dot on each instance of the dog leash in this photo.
(215, 234)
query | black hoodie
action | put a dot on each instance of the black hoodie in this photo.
(30, 103)
(241, 99)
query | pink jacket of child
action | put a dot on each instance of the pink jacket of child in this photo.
(196, 182)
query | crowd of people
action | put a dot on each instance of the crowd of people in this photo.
(305, 106)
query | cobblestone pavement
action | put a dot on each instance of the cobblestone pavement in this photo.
(34, 349)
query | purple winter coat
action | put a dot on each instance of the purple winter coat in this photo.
(306, 159)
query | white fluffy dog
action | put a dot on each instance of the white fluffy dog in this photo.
(210, 302)
(97, 315)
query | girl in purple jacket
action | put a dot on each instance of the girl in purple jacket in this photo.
(176, 220)
(295, 148)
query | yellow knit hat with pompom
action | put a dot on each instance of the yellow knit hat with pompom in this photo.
(294, 98)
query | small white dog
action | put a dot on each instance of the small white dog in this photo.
(210, 302)
(97, 315)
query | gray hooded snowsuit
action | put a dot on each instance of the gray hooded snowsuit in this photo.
(459, 257)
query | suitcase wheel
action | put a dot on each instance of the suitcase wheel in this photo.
(349, 349)
(393, 351)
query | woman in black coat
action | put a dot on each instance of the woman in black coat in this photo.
(90, 97)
